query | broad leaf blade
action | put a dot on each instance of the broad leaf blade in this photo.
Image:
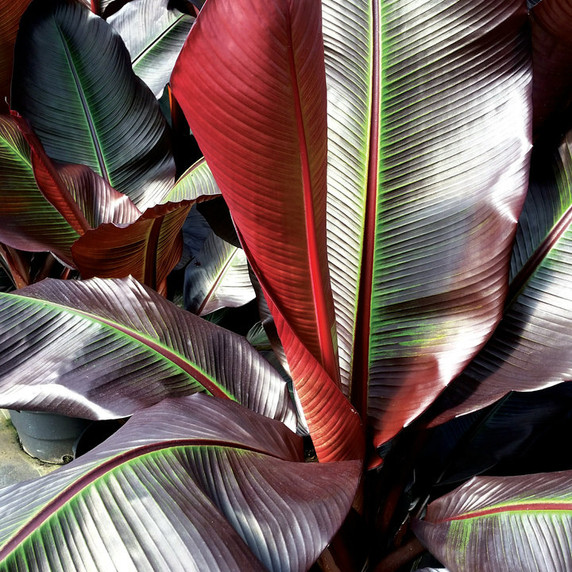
(217, 278)
(154, 36)
(107, 348)
(277, 125)
(99, 202)
(530, 349)
(503, 523)
(425, 183)
(73, 81)
(191, 483)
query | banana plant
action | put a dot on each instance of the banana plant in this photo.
(401, 190)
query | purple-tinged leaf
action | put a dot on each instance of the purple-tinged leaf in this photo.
(194, 483)
(217, 277)
(532, 347)
(73, 81)
(503, 523)
(98, 201)
(107, 348)
(429, 137)
(154, 36)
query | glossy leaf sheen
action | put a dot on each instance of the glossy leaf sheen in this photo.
(503, 523)
(73, 81)
(275, 124)
(154, 36)
(209, 477)
(530, 349)
(106, 348)
(217, 278)
(427, 171)
(28, 219)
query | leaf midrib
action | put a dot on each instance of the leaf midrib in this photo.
(153, 44)
(85, 107)
(156, 346)
(107, 466)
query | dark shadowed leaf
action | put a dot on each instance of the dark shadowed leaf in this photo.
(427, 170)
(73, 81)
(503, 523)
(154, 36)
(11, 11)
(106, 348)
(195, 484)
(33, 207)
(552, 58)
(274, 127)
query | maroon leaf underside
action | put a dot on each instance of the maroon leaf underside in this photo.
(147, 249)
(265, 142)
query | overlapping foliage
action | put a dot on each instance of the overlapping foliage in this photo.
(409, 247)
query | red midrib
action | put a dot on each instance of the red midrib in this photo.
(360, 365)
(101, 470)
(319, 286)
(528, 507)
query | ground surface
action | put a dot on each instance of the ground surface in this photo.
(15, 465)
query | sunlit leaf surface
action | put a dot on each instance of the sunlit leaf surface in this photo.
(192, 484)
(106, 348)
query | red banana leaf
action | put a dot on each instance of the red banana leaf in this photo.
(194, 483)
(253, 90)
(429, 120)
(503, 523)
(107, 348)
(148, 246)
(37, 213)
(73, 81)
(425, 184)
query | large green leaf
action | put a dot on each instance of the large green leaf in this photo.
(73, 81)
(531, 348)
(503, 523)
(154, 36)
(106, 348)
(259, 84)
(192, 484)
(428, 117)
